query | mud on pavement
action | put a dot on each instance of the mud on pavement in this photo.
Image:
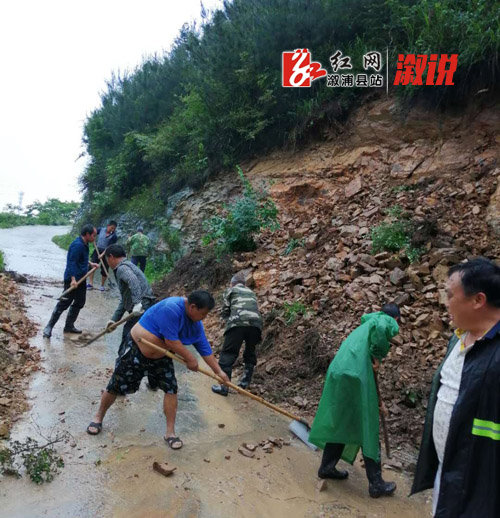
(111, 475)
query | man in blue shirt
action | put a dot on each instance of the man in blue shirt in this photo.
(171, 324)
(77, 265)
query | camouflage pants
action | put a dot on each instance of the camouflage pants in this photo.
(131, 366)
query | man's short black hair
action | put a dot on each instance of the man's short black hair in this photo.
(115, 251)
(87, 229)
(392, 310)
(113, 222)
(201, 299)
(479, 275)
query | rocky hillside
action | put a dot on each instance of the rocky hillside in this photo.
(318, 275)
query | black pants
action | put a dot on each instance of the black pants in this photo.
(139, 260)
(95, 259)
(333, 452)
(233, 340)
(75, 298)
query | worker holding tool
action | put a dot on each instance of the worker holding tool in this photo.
(106, 236)
(347, 416)
(77, 265)
(244, 324)
(136, 294)
(171, 324)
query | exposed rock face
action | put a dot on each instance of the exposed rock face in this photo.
(442, 171)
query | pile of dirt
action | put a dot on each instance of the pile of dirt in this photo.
(17, 358)
(334, 278)
(201, 269)
(317, 275)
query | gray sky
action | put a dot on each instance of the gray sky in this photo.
(55, 56)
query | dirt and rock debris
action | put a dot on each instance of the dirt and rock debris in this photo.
(18, 359)
(317, 275)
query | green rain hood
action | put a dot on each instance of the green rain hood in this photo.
(348, 409)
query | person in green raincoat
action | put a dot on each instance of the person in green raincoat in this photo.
(348, 413)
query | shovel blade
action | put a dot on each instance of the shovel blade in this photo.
(301, 431)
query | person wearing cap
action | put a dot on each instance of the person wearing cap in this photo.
(138, 247)
(244, 324)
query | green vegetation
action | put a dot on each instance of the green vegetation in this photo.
(235, 229)
(216, 98)
(292, 309)
(159, 265)
(64, 240)
(52, 212)
(42, 462)
(395, 235)
(293, 244)
(2, 262)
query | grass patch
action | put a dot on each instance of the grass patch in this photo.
(291, 310)
(64, 240)
(395, 235)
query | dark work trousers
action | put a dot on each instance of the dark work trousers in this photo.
(95, 259)
(75, 298)
(233, 339)
(140, 261)
(333, 452)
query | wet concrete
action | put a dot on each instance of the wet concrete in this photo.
(111, 475)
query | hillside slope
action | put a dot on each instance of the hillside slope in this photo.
(437, 171)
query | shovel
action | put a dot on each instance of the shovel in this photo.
(110, 329)
(382, 419)
(298, 427)
(64, 293)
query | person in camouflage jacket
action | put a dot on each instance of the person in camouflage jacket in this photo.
(138, 247)
(244, 324)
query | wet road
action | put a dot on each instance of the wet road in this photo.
(111, 475)
(30, 251)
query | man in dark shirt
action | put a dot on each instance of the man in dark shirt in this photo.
(77, 265)
(106, 236)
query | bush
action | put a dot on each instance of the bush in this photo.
(64, 240)
(292, 309)
(395, 236)
(158, 266)
(235, 229)
(2, 262)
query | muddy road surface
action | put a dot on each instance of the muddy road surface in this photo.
(111, 475)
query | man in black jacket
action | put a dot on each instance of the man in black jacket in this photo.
(77, 265)
(460, 452)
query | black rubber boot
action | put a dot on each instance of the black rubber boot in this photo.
(222, 390)
(377, 487)
(47, 332)
(69, 327)
(331, 455)
(247, 377)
